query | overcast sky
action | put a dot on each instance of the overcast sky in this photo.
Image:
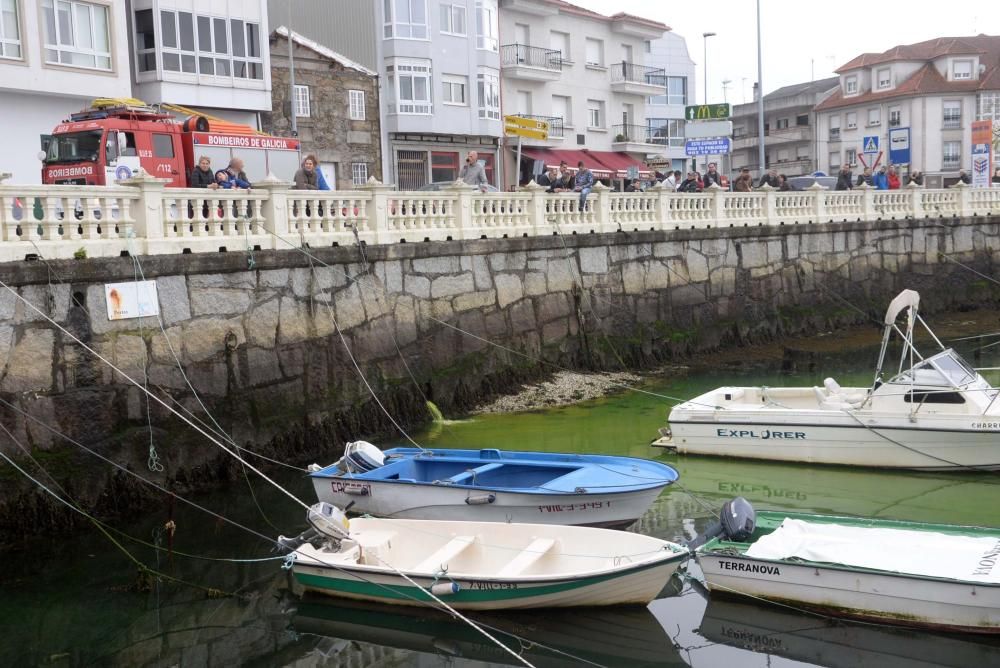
(799, 36)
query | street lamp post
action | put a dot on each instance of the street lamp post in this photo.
(704, 65)
(760, 98)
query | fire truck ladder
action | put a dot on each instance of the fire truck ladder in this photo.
(191, 112)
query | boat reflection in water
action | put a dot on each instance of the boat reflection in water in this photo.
(811, 639)
(624, 636)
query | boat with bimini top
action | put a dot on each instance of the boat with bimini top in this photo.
(493, 485)
(934, 413)
(478, 565)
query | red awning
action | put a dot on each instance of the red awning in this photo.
(618, 163)
(552, 157)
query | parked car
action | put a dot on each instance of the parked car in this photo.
(440, 185)
(803, 182)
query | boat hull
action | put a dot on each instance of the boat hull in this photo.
(879, 597)
(441, 502)
(637, 585)
(839, 440)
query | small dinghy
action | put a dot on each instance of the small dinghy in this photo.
(493, 485)
(478, 565)
(936, 576)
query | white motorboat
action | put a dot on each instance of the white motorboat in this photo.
(479, 565)
(934, 413)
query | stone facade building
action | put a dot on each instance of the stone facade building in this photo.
(336, 105)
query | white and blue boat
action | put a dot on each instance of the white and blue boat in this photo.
(493, 485)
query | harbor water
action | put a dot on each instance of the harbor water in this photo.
(219, 596)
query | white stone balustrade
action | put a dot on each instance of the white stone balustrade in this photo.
(142, 216)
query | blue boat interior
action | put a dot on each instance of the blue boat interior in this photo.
(513, 470)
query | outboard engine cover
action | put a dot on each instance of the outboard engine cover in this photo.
(737, 522)
(328, 520)
(362, 456)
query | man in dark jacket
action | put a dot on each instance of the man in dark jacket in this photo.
(964, 177)
(771, 179)
(202, 176)
(711, 177)
(866, 178)
(845, 180)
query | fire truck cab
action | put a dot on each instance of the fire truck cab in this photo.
(105, 144)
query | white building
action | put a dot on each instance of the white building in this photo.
(665, 112)
(588, 75)
(211, 56)
(54, 58)
(934, 89)
(439, 68)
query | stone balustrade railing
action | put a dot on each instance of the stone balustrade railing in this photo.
(143, 217)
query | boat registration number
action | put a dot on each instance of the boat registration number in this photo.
(986, 425)
(492, 585)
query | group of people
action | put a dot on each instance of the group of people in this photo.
(886, 178)
(562, 180)
(309, 177)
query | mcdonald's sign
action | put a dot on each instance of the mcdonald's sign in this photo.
(706, 112)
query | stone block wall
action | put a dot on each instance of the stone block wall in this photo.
(274, 349)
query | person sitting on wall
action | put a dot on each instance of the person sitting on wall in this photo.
(565, 179)
(583, 184)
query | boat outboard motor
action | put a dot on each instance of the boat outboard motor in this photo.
(736, 522)
(327, 521)
(361, 457)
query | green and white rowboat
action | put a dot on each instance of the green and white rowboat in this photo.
(486, 565)
(907, 573)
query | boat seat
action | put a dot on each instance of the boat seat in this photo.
(438, 561)
(526, 557)
(468, 477)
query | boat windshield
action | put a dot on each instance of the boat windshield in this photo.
(946, 369)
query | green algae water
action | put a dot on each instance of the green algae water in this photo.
(80, 600)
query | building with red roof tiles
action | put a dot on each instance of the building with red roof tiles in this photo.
(930, 90)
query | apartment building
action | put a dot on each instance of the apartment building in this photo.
(586, 74)
(665, 111)
(54, 58)
(789, 129)
(208, 56)
(931, 89)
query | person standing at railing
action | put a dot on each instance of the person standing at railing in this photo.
(202, 176)
(307, 177)
(881, 180)
(916, 177)
(744, 182)
(783, 184)
(771, 179)
(473, 173)
(583, 183)
(549, 180)
(711, 177)
(963, 177)
(996, 177)
(845, 180)
(893, 178)
(866, 178)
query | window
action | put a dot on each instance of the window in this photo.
(487, 30)
(145, 41)
(989, 106)
(835, 122)
(851, 156)
(875, 116)
(561, 109)
(76, 34)
(952, 114)
(356, 104)
(452, 19)
(444, 166)
(223, 49)
(961, 69)
(454, 88)
(302, 109)
(677, 90)
(627, 53)
(595, 51)
(834, 160)
(951, 154)
(802, 121)
(489, 93)
(559, 41)
(669, 131)
(782, 124)
(163, 146)
(409, 82)
(523, 107)
(595, 114)
(177, 37)
(933, 397)
(247, 61)
(405, 19)
(851, 85)
(884, 77)
(359, 173)
(10, 30)
(895, 117)
(852, 120)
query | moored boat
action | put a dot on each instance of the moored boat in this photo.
(493, 485)
(906, 573)
(479, 565)
(933, 413)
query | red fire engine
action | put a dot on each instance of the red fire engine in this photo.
(111, 140)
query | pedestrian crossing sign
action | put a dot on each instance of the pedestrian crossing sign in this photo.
(871, 144)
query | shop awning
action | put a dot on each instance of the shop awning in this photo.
(619, 163)
(604, 164)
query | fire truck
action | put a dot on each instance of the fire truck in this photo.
(111, 139)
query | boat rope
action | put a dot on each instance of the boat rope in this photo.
(972, 467)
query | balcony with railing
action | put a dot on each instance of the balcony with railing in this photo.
(635, 138)
(557, 129)
(531, 63)
(633, 79)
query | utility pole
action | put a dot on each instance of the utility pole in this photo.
(760, 97)
(291, 74)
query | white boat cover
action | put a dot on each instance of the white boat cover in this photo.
(906, 551)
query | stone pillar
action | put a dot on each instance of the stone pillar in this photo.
(868, 213)
(274, 210)
(378, 209)
(602, 209)
(148, 210)
(769, 211)
(663, 193)
(916, 200)
(819, 201)
(964, 199)
(536, 208)
(465, 228)
(718, 204)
